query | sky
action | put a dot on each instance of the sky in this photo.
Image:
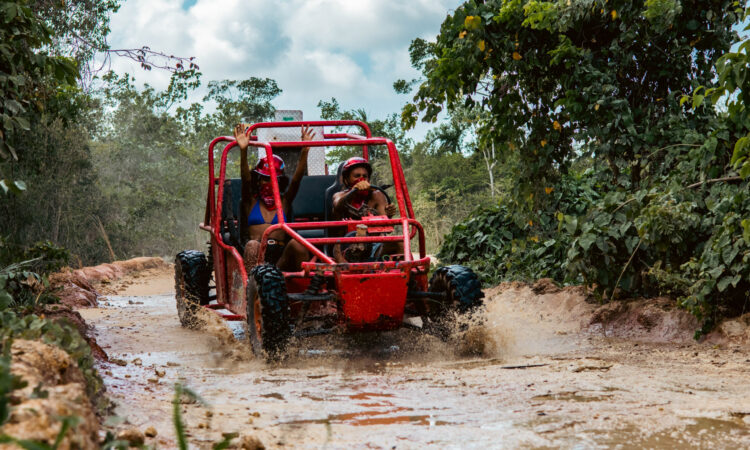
(352, 50)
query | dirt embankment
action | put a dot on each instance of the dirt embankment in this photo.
(80, 288)
(572, 309)
(54, 388)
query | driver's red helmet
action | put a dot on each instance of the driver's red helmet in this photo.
(262, 168)
(356, 161)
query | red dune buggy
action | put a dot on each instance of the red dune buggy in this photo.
(328, 295)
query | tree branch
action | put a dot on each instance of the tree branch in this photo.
(714, 180)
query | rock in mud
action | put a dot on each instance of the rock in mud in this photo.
(133, 436)
(545, 286)
(150, 432)
(248, 442)
(51, 372)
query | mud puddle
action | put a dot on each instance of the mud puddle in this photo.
(540, 383)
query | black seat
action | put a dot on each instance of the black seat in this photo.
(338, 183)
(310, 203)
(230, 213)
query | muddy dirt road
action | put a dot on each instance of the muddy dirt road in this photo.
(541, 383)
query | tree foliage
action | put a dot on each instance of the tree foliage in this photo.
(79, 28)
(600, 90)
(29, 76)
(590, 76)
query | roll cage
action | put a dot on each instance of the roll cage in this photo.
(320, 262)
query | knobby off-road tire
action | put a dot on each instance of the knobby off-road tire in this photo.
(268, 325)
(191, 276)
(463, 296)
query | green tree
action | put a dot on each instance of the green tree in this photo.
(238, 100)
(565, 78)
(590, 98)
(29, 77)
(79, 28)
(149, 170)
(390, 128)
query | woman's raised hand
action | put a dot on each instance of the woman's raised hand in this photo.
(307, 133)
(239, 135)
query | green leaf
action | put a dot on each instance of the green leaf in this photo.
(740, 148)
(586, 241)
(746, 231)
(723, 283)
(697, 100)
(23, 123)
(625, 227)
(729, 254)
(32, 445)
(5, 299)
(716, 272)
(571, 224)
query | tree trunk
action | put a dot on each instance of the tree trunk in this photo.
(489, 160)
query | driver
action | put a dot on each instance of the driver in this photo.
(260, 210)
(358, 198)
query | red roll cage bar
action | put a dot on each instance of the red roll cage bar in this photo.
(407, 220)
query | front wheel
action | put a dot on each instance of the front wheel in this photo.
(191, 275)
(463, 296)
(268, 323)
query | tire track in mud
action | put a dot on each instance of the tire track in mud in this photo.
(541, 382)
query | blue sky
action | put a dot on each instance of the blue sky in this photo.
(352, 50)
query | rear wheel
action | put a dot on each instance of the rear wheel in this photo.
(192, 275)
(268, 323)
(463, 295)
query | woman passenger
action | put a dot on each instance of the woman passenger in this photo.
(259, 210)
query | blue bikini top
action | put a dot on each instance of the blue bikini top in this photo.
(256, 216)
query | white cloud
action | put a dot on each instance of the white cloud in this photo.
(314, 49)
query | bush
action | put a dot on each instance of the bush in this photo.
(501, 244)
(719, 275)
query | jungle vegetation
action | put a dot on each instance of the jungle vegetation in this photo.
(597, 142)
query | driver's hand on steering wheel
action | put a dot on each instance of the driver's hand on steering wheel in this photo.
(362, 185)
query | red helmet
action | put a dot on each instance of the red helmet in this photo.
(356, 161)
(262, 168)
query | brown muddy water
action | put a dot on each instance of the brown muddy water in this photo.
(541, 383)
